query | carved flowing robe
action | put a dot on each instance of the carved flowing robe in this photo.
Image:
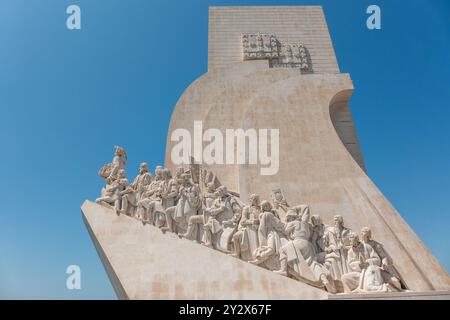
(111, 193)
(216, 234)
(248, 231)
(138, 186)
(337, 241)
(366, 278)
(170, 193)
(271, 238)
(152, 200)
(388, 269)
(317, 239)
(188, 205)
(117, 163)
(113, 190)
(300, 253)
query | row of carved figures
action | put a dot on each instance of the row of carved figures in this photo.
(195, 206)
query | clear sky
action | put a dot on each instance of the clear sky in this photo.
(67, 97)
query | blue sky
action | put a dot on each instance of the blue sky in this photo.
(67, 97)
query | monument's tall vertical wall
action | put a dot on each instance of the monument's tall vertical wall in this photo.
(290, 24)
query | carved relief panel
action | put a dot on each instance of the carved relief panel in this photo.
(292, 55)
(265, 46)
(259, 46)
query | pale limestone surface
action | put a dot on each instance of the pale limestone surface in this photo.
(290, 24)
(315, 164)
(315, 167)
(320, 165)
(144, 263)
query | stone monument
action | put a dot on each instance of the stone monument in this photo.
(308, 224)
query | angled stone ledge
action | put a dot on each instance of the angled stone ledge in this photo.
(144, 263)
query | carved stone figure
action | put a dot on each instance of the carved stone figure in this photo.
(223, 218)
(297, 256)
(109, 171)
(170, 194)
(195, 227)
(113, 192)
(388, 272)
(337, 243)
(271, 238)
(150, 206)
(229, 228)
(135, 190)
(196, 222)
(317, 237)
(364, 269)
(189, 204)
(208, 177)
(245, 240)
(303, 248)
(210, 195)
(119, 161)
(279, 202)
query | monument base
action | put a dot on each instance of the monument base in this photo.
(142, 262)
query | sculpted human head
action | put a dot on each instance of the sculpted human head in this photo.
(211, 187)
(354, 239)
(254, 200)
(159, 172)
(119, 151)
(167, 174)
(121, 173)
(222, 191)
(185, 179)
(316, 221)
(338, 221)
(208, 176)
(366, 234)
(143, 167)
(277, 195)
(266, 206)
